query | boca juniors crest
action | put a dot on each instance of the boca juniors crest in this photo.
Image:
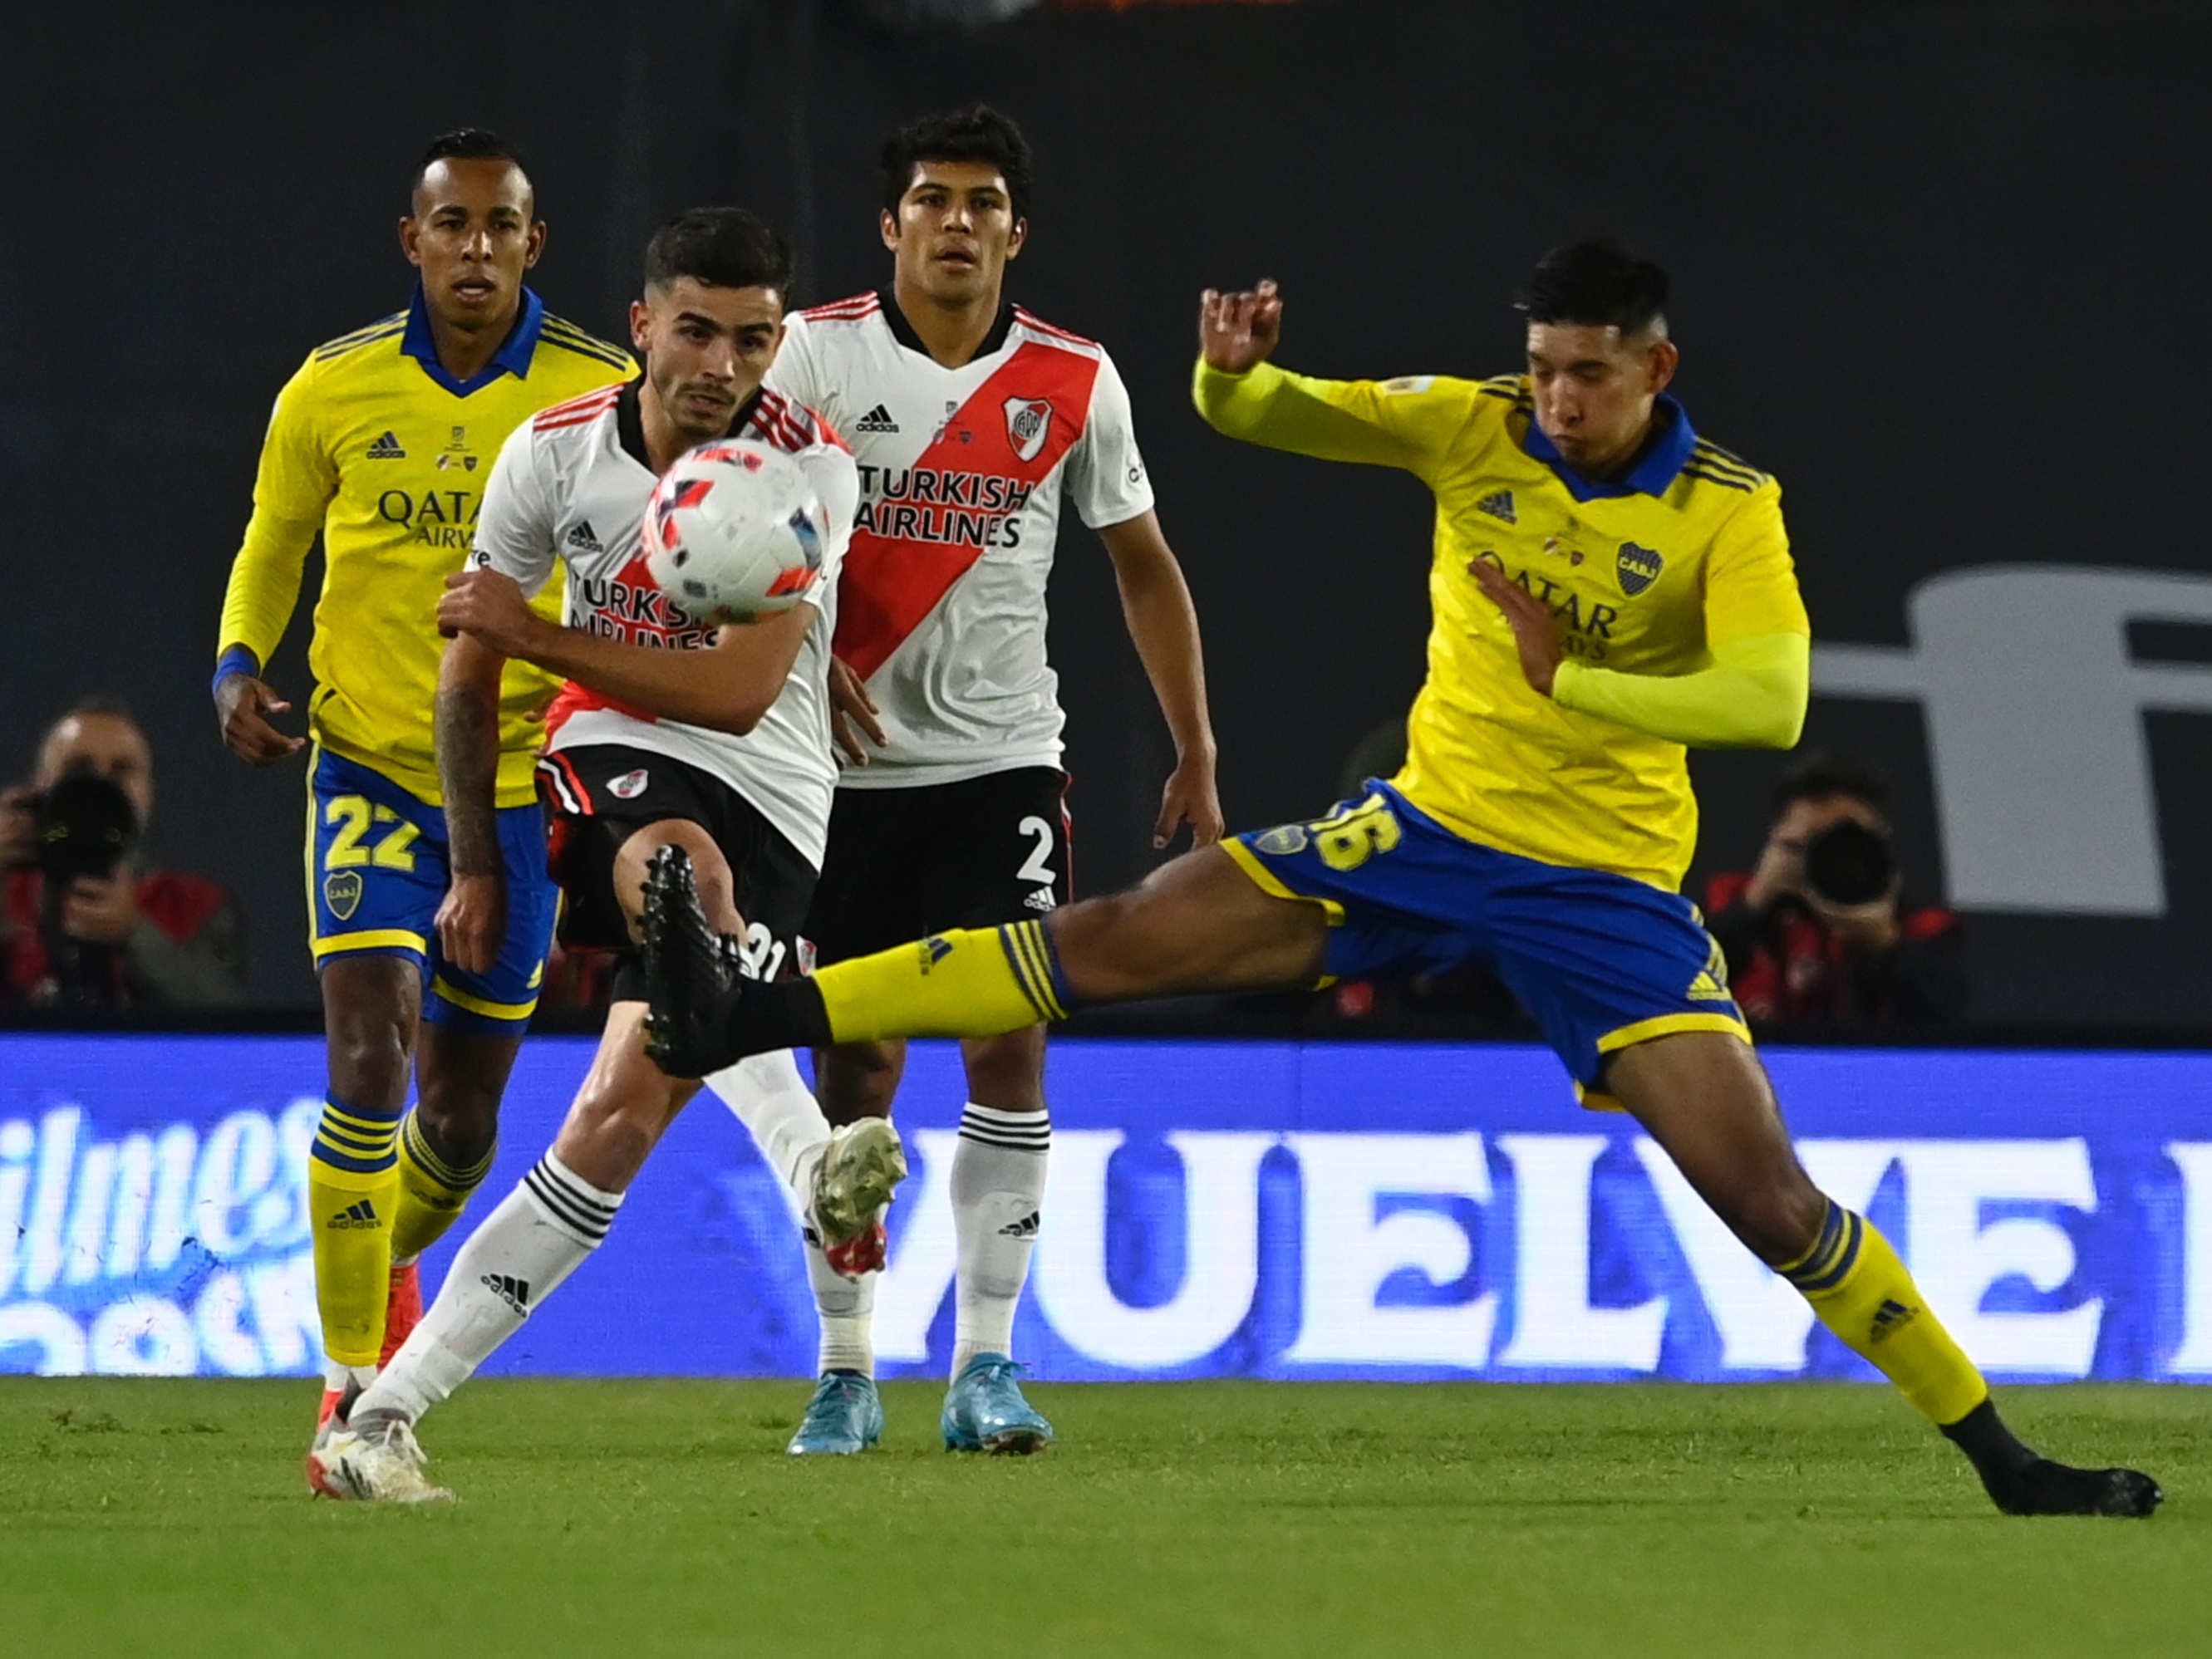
(1638, 567)
(342, 892)
(1028, 419)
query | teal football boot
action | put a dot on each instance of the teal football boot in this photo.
(845, 1416)
(984, 1410)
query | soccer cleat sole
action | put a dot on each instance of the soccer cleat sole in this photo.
(862, 1254)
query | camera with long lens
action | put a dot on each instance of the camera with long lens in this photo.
(1850, 863)
(83, 825)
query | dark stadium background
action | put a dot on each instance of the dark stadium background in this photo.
(1931, 264)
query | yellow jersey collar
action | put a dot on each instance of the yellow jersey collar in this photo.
(513, 356)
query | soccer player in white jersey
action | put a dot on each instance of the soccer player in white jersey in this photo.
(974, 425)
(668, 734)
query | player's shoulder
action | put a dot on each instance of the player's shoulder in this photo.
(559, 335)
(835, 315)
(1041, 332)
(577, 413)
(357, 345)
(1710, 468)
(787, 424)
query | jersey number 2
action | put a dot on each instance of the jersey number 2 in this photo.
(1034, 868)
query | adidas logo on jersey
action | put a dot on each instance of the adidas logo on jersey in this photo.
(388, 448)
(515, 1292)
(583, 540)
(1041, 899)
(878, 419)
(362, 1214)
(1025, 1227)
(1498, 505)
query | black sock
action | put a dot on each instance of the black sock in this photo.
(1982, 1434)
(788, 1014)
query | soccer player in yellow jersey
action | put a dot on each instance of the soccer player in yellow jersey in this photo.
(382, 443)
(1609, 588)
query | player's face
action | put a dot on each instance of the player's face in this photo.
(1594, 390)
(954, 231)
(105, 745)
(706, 349)
(473, 235)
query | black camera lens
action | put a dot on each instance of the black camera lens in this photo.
(1848, 863)
(83, 826)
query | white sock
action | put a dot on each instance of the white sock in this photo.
(540, 1233)
(997, 1190)
(847, 1310)
(768, 1097)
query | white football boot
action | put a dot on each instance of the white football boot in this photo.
(375, 1462)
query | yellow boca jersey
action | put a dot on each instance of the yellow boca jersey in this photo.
(375, 445)
(1646, 576)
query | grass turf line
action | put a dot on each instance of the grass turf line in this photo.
(144, 1516)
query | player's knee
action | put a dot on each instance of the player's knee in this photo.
(1099, 946)
(370, 1058)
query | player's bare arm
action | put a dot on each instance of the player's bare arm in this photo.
(728, 687)
(1163, 624)
(472, 917)
(1237, 331)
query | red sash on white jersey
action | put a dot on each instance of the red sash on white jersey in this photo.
(895, 582)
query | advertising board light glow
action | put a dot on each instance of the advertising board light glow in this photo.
(1215, 1208)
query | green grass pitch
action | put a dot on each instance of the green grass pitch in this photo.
(146, 1518)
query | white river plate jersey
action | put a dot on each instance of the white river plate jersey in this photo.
(962, 472)
(573, 485)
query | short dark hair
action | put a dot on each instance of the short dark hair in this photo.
(981, 134)
(1821, 776)
(1595, 284)
(724, 247)
(470, 145)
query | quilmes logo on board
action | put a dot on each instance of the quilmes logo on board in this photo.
(168, 1251)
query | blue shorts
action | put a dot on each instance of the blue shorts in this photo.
(377, 872)
(1599, 960)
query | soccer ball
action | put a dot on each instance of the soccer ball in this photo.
(735, 531)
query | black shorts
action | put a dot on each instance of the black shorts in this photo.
(601, 793)
(907, 863)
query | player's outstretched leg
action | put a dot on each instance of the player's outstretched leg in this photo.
(1706, 1101)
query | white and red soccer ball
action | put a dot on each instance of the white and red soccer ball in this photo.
(735, 531)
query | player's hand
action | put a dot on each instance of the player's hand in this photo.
(853, 713)
(1535, 630)
(473, 921)
(489, 607)
(100, 909)
(1190, 798)
(1237, 331)
(243, 705)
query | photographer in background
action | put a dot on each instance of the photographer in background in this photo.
(83, 923)
(1818, 932)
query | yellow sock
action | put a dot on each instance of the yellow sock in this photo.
(1862, 1291)
(353, 1189)
(432, 1192)
(971, 982)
